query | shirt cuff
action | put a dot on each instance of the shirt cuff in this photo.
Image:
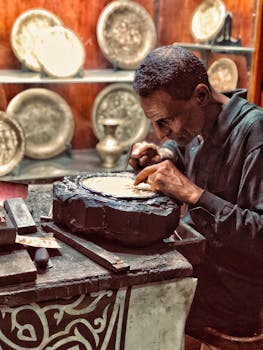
(211, 202)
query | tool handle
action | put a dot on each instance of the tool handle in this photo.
(41, 257)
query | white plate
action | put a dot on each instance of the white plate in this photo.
(60, 52)
(46, 119)
(126, 33)
(12, 141)
(117, 185)
(223, 75)
(119, 101)
(24, 35)
(208, 19)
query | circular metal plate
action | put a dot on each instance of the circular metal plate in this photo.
(60, 52)
(117, 185)
(223, 74)
(119, 101)
(12, 144)
(125, 33)
(47, 121)
(208, 19)
(24, 35)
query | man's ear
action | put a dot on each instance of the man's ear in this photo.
(201, 94)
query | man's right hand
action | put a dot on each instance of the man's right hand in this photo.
(144, 154)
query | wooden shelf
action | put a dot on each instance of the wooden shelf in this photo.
(88, 76)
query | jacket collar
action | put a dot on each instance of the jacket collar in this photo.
(228, 118)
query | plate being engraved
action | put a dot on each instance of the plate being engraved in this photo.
(208, 19)
(60, 52)
(47, 121)
(119, 186)
(12, 144)
(24, 35)
(223, 74)
(119, 101)
(126, 33)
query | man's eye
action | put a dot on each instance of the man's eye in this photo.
(165, 121)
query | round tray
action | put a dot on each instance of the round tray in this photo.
(12, 144)
(118, 185)
(24, 35)
(47, 121)
(223, 75)
(125, 33)
(60, 52)
(119, 101)
(208, 19)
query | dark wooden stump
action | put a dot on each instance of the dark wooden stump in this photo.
(128, 221)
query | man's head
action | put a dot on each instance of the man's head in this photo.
(174, 92)
(172, 68)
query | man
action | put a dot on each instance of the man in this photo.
(212, 161)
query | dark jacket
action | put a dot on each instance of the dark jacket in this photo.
(229, 166)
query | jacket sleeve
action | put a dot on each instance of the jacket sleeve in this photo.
(239, 226)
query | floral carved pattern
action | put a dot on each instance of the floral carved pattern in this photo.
(86, 322)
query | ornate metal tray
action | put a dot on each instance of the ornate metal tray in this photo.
(118, 185)
(119, 101)
(125, 33)
(12, 144)
(60, 52)
(223, 74)
(47, 121)
(208, 19)
(24, 35)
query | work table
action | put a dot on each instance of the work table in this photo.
(79, 304)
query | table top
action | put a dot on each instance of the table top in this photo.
(73, 273)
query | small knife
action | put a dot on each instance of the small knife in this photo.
(126, 161)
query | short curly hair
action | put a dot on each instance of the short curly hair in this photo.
(171, 68)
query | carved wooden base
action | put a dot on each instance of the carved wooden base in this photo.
(139, 317)
(128, 221)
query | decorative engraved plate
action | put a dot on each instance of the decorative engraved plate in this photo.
(47, 121)
(208, 20)
(120, 186)
(119, 101)
(125, 33)
(24, 35)
(223, 74)
(60, 52)
(12, 144)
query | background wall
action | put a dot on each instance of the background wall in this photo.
(173, 22)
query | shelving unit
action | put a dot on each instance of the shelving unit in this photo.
(88, 76)
(205, 49)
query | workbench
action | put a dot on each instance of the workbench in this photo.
(78, 304)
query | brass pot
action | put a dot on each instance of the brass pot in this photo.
(109, 148)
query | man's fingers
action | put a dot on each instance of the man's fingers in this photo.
(143, 175)
(143, 149)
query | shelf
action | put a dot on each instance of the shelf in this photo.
(44, 171)
(205, 49)
(217, 48)
(89, 76)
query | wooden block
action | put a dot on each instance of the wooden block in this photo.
(7, 229)
(16, 267)
(20, 215)
(96, 253)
